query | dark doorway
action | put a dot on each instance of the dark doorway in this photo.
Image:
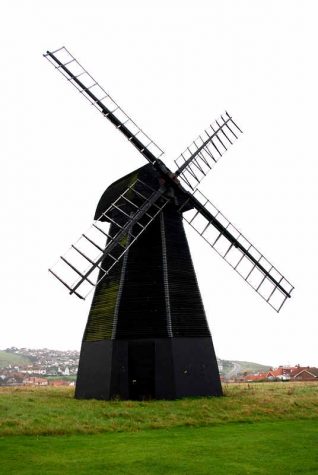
(141, 370)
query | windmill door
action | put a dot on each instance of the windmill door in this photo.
(141, 369)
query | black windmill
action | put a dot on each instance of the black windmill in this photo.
(147, 335)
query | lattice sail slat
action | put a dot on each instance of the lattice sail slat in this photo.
(242, 256)
(74, 72)
(198, 159)
(97, 251)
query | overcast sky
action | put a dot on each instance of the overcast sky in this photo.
(174, 68)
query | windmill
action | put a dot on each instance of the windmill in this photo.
(147, 334)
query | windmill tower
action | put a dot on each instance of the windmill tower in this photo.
(147, 334)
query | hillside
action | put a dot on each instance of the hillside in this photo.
(252, 367)
(46, 359)
(229, 368)
(8, 358)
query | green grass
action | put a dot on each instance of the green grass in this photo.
(260, 448)
(266, 428)
(54, 411)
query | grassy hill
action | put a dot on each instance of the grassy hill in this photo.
(242, 367)
(8, 358)
(252, 367)
(259, 429)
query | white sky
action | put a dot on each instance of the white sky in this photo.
(174, 68)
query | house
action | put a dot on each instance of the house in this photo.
(285, 373)
(281, 373)
(252, 378)
(66, 372)
(299, 373)
(59, 382)
(34, 381)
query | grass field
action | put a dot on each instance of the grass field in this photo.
(269, 428)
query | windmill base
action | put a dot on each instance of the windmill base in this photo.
(161, 368)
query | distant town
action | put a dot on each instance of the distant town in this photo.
(38, 367)
(44, 367)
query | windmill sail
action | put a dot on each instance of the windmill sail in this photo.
(198, 159)
(84, 265)
(74, 72)
(237, 251)
(133, 211)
